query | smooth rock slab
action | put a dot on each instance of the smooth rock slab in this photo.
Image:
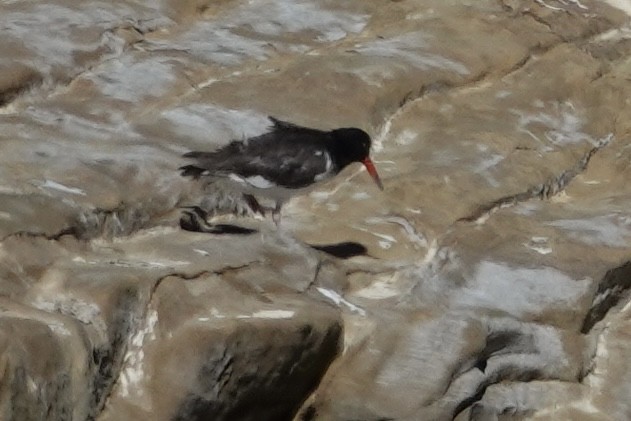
(206, 351)
(155, 331)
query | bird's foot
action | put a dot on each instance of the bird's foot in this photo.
(194, 219)
(276, 214)
(254, 205)
(197, 211)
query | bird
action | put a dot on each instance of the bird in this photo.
(283, 162)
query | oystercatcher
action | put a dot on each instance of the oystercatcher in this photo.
(283, 162)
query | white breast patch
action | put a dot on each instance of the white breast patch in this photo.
(236, 178)
(259, 182)
(327, 168)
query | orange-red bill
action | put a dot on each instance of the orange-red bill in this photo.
(372, 171)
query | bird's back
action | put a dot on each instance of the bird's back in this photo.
(288, 155)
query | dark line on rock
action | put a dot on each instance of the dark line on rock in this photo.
(542, 191)
(10, 93)
(471, 400)
(614, 287)
(536, 49)
(121, 220)
(72, 231)
(538, 19)
(141, 320)
(316, 274)
(111, 368)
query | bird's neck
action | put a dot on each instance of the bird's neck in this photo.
(339, 154)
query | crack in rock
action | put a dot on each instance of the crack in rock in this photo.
(613, 288)
(413, 96)
(514, 352)
(484, 75)
(17, 88)
(120, 221)
(127, 370)
(72, 231)
(545, 190)
(112, 40)
(613, 291)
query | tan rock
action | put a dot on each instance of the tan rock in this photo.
(495, 279)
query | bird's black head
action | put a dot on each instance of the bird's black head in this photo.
(353, 145)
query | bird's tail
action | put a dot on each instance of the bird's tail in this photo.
(191, 171)
(196, 154)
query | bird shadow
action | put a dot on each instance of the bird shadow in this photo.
(343, 250)
(194, 219)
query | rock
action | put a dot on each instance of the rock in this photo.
(488, 281)
(37, 384)
(206, 360)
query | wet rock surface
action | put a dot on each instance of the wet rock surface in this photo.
(490, 280)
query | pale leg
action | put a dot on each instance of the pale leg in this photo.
(276, 213)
